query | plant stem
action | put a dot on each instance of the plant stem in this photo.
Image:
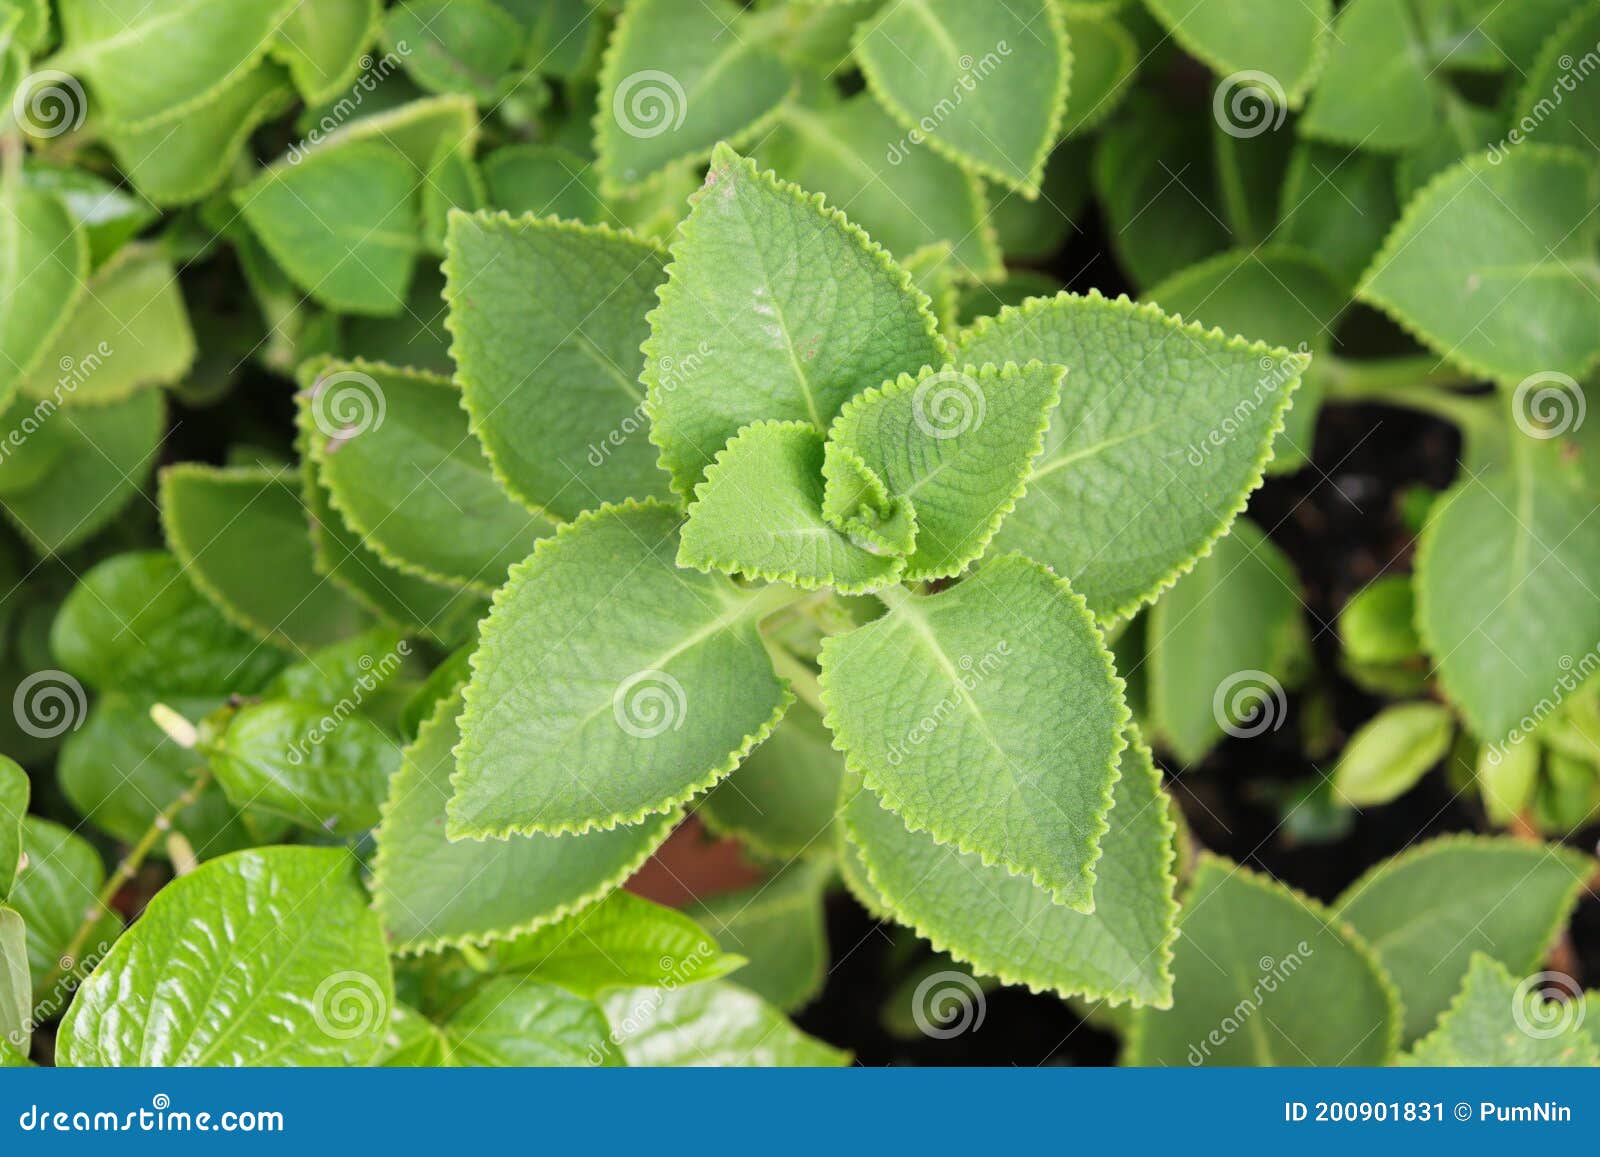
(1413, 383)
(802, 679)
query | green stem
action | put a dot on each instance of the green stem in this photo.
(802, 679)
(1361, 380)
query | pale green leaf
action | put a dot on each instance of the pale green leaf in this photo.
(777, 307)
(261, 958)
(321, 43)
(1378, 624)
(662, 693)
(1362, 104)
(432, 893)
(1497, 1022)
(515, 1022)
(460, 46)
(1428, 910)
(1389, 753)
(1543, 107)
(542, 180)
(44, 263)
(1280, 45)
(1105, 58)
(1160, 437)
(779, 926)
(990, 79)
(1001, 732)
(856, 500)
(551, 380)
(1337, 207)
(709, 1025)
(111, 214)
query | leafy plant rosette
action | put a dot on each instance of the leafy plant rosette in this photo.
(689, 434)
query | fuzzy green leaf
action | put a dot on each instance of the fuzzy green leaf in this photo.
(432, 892)
(1256, 969)
(1427, 911)
(1497, 1022)
(45, 256)
(542, 181)
(1493, 265)
(709, 1026)
(463, 46)
(759, 514)
(957, 445)
(1105, 58)
(775, 307)
(1006, 927)
(320, 41)
(1160, 436)
(567, 730)
(1278, 45)
(990, 78)
(1357, 104)
(857, 501)
(1388, 754)
(265, 957)
(551, 379)
(1001, 733)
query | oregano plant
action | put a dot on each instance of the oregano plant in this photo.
(611, 533)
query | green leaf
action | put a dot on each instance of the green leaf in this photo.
(1035, 230)
(420, 131)
(175, 163)
(1378, 624)
(1160, 437)
(621, 941)
(991, 80)
(1223, 643)
(544, 181)
(362, 665)
(111, 214)
(520, 1023)
(433, 893)
(16, 991)
(1280, 296)
(1387, 108)
(964, 749)
(1337, 207)
(779, 926)
(785, 307)
(759, 514)
(1493, 266)
(957, 445)
(1279, 46)
(55, 893)
(1256, 969)
(1005, 927)
(14, 791)
(101, 456)
(1105, 59)
(857, 501)
(551, 381)
(563, 35)
(393, 449)
(149, 62)
(1394, 749)
(565, 731)
(308, 762)
(321, 41)
(130, 331)
(678, 78)
(265, 957)
(121, 771)
(1428, 910)
(781, 799)
(462, 46)
(1542, 107)
(1504, 604)
(241, 537)
(342, 223)
(709, 1025)
(905, 198)
(1496, 1022)
(45, 255)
